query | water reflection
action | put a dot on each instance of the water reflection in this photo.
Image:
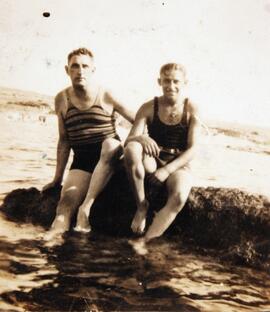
(103, 273)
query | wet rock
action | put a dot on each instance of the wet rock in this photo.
(31, 206)
(220, 218)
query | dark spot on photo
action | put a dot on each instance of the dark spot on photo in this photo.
(46, 14)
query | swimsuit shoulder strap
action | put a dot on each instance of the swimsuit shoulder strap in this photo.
(155, 106)
(185, 118)
(69, 104)
(97, 101)
(156, 103)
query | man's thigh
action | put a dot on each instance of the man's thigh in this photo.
(149, 163)
(180, 181)
(76, 184)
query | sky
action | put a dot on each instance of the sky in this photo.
(224, 45)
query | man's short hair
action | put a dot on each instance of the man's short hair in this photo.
(173, 66)
(79, 51)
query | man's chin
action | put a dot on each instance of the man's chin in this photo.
(79, 85)
(171, 96)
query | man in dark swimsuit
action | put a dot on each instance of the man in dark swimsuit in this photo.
(162, 144)
(86, 125)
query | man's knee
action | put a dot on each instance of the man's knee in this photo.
(69, 200)
(133, 153)
(111, 150)
(110, 145)
(133, 156)
(178, 200)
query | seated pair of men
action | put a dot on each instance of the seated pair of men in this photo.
(162, 143)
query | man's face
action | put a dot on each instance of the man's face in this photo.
(171, 82)
(80, 69)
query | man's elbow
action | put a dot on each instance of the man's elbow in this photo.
(131, 117)
(128, 140)
(193, 150)
(63, 141)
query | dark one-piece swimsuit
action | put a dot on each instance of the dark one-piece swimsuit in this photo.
(172, 139)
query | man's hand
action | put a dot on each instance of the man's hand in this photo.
(150, 146)
(50, 185)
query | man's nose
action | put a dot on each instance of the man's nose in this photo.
(170, 84)
(80, 69)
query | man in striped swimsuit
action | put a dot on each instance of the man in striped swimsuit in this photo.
(164, 154)
(86, 122)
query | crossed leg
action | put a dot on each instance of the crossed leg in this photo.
(137, 164)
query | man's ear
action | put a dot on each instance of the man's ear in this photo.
(159, 81)
(66, 69)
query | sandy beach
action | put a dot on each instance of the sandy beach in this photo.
(235, 156)
(229, 155)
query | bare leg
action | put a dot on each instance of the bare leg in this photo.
(73, 193)
(179, 185)
(110, 153)
(136, 168)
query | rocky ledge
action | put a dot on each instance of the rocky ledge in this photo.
(233, 223)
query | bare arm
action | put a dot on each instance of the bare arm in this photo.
(63, 147)
(118, 106)
(139, 125)
(138, 131)
(63, 151)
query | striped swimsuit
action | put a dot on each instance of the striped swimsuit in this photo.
(172, 139)
(86, 130)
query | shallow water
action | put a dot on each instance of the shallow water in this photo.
(96, 272)
(101, 273)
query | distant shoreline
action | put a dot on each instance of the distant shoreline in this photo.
(13, 99)
(28, 102)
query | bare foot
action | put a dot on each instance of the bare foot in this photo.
(82, 223)
(139, 220)
(56, 240)
(55, 235)
(139, 246)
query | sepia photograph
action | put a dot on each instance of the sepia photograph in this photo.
(135, 155)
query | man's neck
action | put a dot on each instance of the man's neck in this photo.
(83, 92)
(172, 102)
